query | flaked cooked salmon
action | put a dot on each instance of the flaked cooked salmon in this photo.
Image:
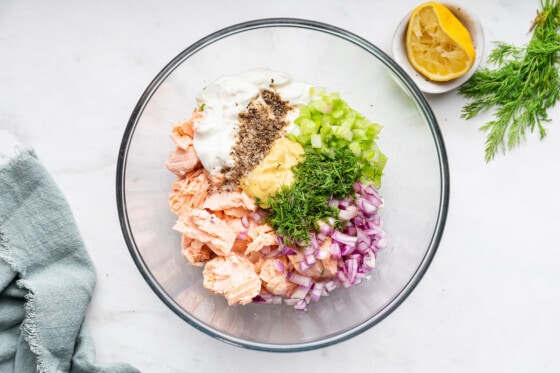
(260, 236)
(189, 192)
(273, 276)
(182, 161)
(183, 133)
(207, 228)
(232, 276)
(196, 252)
(235, 203)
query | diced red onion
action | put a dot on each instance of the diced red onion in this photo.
(321, 238)
(310, 259)
(359, 221)
(267, 298)
(300, 292)
(279, 266)
(351, 230)
(304, 266)
(362, 247)
(344, 205)
(317, 291)
(335, 250)
(245, 221)
(345, 215)
(343, 279)
(286, 250)
(347, 250)
(325, 228)
(322, 253)
(291, 301)
(257, 215)
(242, 235)
(301, 305)
(373, 230)
(372, 196)
(363, 237)
(366, 206)
(357, 187)
(308, 250)
(344, 238)
(369, 260)
(330, 286)
(351, 269)
(272, 253)
(299, 279)
(341, 276)
(356, 256)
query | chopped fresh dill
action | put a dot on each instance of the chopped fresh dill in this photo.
(524, 84)
(295, 210)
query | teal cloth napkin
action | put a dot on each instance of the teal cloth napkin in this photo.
(46, 277)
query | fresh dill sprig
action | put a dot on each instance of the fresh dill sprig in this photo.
(524, 84)
(295, 210)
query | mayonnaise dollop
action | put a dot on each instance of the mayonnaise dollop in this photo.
(224, 98)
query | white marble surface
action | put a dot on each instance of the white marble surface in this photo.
(70, 75)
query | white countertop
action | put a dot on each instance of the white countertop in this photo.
(71, 73)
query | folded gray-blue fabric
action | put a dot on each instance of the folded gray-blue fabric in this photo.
(46, 277)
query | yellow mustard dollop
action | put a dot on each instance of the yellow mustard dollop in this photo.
(274, 170)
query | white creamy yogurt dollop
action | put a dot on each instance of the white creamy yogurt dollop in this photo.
(224, 98)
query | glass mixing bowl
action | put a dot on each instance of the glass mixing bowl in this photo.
(415, 183)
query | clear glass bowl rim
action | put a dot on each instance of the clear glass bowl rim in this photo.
(413, 91)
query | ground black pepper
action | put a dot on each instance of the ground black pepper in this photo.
(260, 125)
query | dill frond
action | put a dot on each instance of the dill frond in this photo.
(524, 84)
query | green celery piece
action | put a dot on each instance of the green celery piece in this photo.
(316, 142)
(343, 132)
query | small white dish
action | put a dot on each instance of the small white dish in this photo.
(471, 22)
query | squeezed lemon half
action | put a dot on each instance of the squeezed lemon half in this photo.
(438, 45)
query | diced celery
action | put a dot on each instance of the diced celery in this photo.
(326, 131)
(372, 173)
(343, 133)
(321, 106)
(326, 121)
(380, 160)
(372, 130)
(307, 126)
(304, 111)
(293, 137)
(347, 122)
(358, 133)
(355, 149)
(316, 141)
(304, 139)
(337, 113)
(366, 144)
(329, 123)
(361, 122)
